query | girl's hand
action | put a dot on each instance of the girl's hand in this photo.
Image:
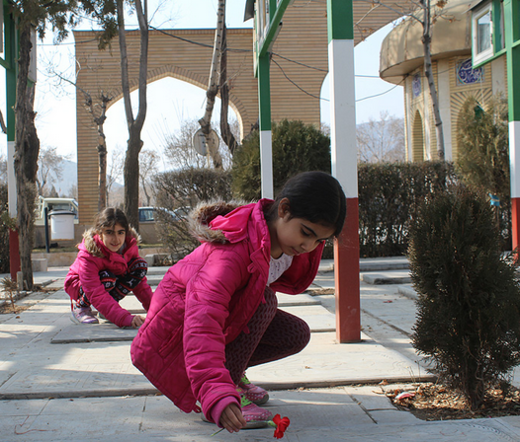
(137, 321)
(231, 418)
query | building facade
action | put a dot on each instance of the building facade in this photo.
(401, 62)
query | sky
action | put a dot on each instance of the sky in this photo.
(55, 106)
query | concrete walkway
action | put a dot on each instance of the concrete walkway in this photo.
(63, 382)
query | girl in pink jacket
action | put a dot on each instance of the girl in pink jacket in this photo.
(215, 312)
(107, 268)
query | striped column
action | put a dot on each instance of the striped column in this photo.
(512, 34)
(344, 166)
(266, 145)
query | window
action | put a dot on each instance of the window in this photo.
(482, 34)
(145, 214)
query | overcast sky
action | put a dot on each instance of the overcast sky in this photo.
(56, 120)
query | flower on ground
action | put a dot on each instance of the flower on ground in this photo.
(281, 425)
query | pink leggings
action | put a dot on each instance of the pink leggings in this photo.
(273, 334)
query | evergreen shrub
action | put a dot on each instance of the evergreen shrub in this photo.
(297, 147)
(483, 160)
(468, 320)
(388, 195)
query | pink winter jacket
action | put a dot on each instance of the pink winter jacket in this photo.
(94, 256)
(206, 300)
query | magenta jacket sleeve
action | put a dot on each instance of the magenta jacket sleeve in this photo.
(144, 293)
(208, 297)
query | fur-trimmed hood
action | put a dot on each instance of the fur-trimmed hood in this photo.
(200, 218)
(93, 244)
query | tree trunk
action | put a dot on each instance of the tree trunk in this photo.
(211, 93)
(135, 126)
(426, 41)
(27, 148)
(102, 151)
(131, 178)
(225, 130)
(102, 145)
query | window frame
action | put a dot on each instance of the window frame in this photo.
(477, 14)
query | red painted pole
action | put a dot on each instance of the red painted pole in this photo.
(346, 276)
(515, 221)
(14, 254)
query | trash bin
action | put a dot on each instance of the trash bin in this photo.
(62, 225)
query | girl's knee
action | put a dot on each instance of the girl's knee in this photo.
(304, 336)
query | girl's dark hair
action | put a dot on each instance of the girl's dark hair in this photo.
(314, 196)
(109, 217)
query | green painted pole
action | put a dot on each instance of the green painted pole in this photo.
(266, 150)
(512, 36)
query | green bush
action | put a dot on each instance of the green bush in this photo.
(484, 147)
(388, 196)
(184, 190)
(468, 321)
(4, 230)
(297, 147)
(484, 155)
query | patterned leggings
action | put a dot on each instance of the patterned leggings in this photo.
(118, 286)
(273, 334)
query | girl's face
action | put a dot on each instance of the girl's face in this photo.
(113, 237)
(294, 236)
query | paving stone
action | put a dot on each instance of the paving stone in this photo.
(370, 397)
(94, 333)
(318, 317)
(285, 300)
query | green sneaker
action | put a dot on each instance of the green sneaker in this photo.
(255, 394)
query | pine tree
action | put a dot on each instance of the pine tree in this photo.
(468, 321)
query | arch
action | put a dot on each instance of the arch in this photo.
(417, 138)
(295, 86)
(197, 80)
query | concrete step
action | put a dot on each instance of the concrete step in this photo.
(408, 291)
(390, 277)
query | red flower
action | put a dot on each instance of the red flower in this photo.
(281, 425)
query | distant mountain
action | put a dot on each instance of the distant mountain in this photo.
(65, 185)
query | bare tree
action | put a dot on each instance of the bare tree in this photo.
(135, 125)
(50, 165)
(3, 168)
(73, 192)
(117, 162)
(211, 93)
(179, 151)
(225, 129)
(382, 140)
(426, 39)
(149, 163)
(97, 108)
(425, 14)
(99, 115)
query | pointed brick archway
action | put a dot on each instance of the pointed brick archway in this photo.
(299, 65)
